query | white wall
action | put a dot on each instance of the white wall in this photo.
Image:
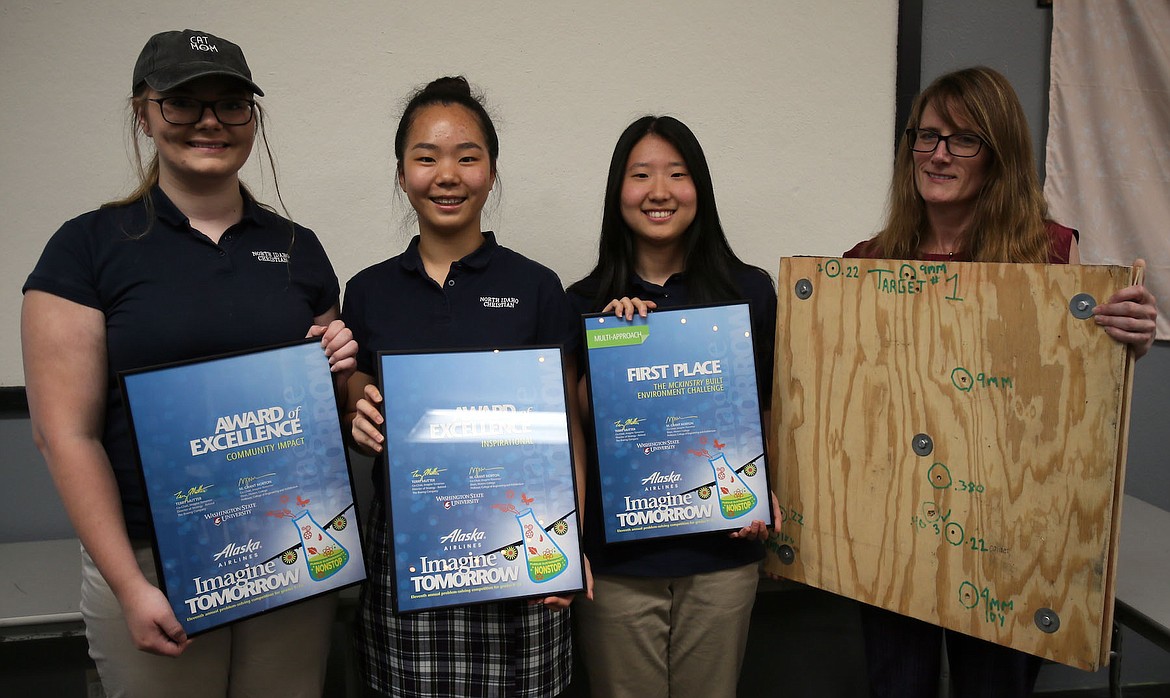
(793, 101)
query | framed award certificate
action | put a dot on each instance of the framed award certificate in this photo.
(676, 418)
(247, 482)
(481, 495)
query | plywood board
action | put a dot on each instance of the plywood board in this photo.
(1002, 524)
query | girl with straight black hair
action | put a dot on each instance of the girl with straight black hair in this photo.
(431, 296)
(711, 265)
(669, 616)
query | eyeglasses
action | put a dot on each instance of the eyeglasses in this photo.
(961, 145)
(184, 111)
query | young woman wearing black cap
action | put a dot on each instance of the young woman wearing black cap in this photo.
(187, 265)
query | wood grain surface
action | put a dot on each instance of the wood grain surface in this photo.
(1002, 524)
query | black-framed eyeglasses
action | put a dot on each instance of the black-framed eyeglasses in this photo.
(184, 111)
(961, 145)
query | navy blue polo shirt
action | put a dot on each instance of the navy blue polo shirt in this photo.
(170, 294)
(700, 553)
(493, 297)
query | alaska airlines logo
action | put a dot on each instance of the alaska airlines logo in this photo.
(458, 536)
(657, 478)
(232, 550)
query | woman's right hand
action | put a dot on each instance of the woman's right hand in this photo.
(151, 621)
(626, 307)
(367, 419)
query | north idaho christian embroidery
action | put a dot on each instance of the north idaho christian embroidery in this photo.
(498, 302)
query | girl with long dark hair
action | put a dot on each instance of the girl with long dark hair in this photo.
(669, 617)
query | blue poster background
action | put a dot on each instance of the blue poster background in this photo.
(677, 422)
(247, 481)
(482, 497)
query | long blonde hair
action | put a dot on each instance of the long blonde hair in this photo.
(1010, 211)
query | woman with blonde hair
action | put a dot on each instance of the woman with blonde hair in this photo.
(189, 265)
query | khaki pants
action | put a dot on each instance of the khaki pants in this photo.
(666, 637)
(278, 653)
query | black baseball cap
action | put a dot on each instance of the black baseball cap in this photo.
(172, 58)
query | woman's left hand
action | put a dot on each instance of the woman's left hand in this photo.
(628, 307)
(339, 346)
(758, 530)
(560, 603)
(1130, 316)
(555, 603)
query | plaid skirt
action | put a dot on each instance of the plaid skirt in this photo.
(508, 649)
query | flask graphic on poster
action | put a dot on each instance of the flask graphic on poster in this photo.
(324, 556)
(735, 496)
(544, 557)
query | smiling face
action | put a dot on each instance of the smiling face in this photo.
(944, 180)
(207, 151)
(445, 170)
(658, 198)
